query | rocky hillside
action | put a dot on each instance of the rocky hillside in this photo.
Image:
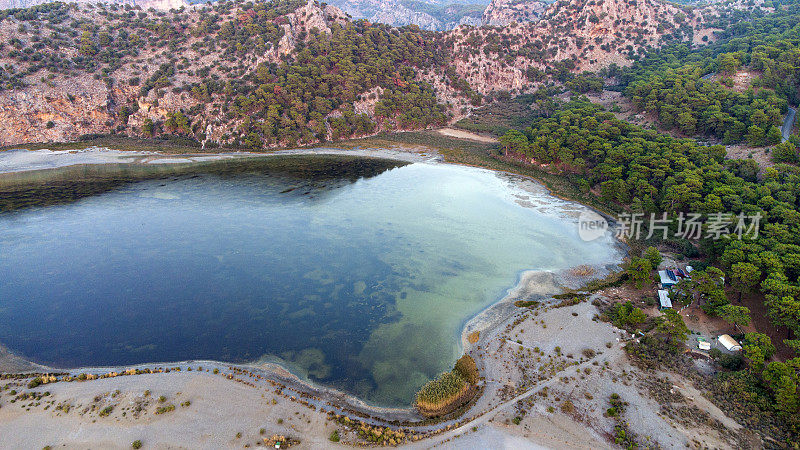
(285, 72)
(434, 15)
(157, 4)
(569, 36)
(431, 15)
(503, 12)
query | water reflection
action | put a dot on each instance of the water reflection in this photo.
(357, 273)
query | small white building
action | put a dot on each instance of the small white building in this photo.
(663, 299)
(665, 280)
(703, 344)
(729, 343)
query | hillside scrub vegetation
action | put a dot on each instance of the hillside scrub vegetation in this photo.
(693, 91)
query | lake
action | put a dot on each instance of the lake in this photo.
(355, 273)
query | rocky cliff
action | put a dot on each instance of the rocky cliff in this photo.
(69, 102)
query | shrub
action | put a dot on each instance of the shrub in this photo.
(136, 444)
(334, 437)
(526, 303)
(165, 409)
(730, 362)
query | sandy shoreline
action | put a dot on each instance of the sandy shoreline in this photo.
(532, 285)
(531, 361)
(20, 160)
(303, 395)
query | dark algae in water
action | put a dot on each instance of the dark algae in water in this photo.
(68, 184)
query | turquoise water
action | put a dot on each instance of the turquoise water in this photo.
(358, 278)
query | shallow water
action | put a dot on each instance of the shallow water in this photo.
(359, 277)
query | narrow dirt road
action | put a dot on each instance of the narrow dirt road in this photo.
(788, 124)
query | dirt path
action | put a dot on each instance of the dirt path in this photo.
(484, 418)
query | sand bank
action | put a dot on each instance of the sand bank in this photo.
(21, 160)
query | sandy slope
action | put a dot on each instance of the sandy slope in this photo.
(462, 134)
(219, 410)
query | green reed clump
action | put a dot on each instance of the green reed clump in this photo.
(441, 390)
(466, 367)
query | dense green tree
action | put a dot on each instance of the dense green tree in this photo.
(735, 315)
(653, 255)
(671, 327)
(744, 277)
(757, 349)
(640, 272)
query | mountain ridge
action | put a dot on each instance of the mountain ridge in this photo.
(284, 73)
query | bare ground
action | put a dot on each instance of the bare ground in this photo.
(463, 134)
(743, 151)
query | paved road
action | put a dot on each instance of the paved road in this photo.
(788, 124)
